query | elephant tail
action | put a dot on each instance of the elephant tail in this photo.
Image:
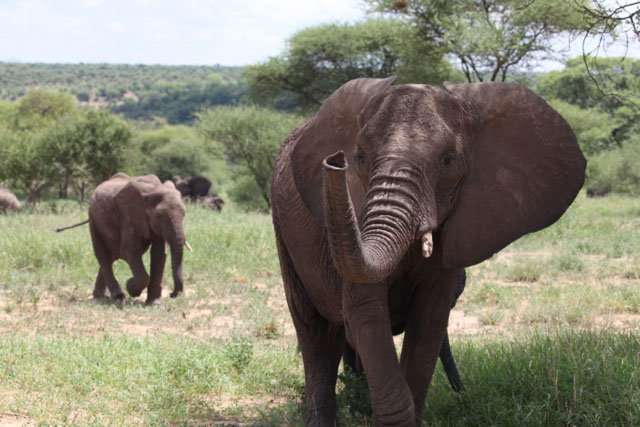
(72, 226)
(449, 364)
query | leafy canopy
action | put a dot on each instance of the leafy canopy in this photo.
(249, 137)
(489, 37)
(319, 59)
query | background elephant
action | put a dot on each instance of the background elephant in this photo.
(198, 189)
(192, 186)
(8, 200)
(212, 201)
(378, 201)
(126, 216)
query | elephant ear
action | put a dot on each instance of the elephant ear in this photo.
(130, 201)
(526, 169)
(334, 127)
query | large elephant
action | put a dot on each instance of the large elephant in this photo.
(8, 201)
(126, 216)
(378, 201)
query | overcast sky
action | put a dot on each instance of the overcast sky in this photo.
(202, 32)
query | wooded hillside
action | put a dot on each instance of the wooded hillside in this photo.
(137, 91)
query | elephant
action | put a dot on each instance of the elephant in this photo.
(378, 201)
(211, 201)
(8, 201)
(197, 189)
(192, 187)
(126, 216)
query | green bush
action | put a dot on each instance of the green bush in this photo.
(249, 137)
(615, 171)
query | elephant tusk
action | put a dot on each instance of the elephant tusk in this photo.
(165, 247)
(188, 246)
(427, 244)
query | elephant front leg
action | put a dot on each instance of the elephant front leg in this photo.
(425, 329)
(368, 330)
(158, 260)
(140, 279)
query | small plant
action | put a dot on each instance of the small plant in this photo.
(239, 352)
(491, 317)
(527, 272)
(353, 397)
(570, 263)
(269, 330)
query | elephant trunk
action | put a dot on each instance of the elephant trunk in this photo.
(176, 267)
(176, 240)
(371, 254)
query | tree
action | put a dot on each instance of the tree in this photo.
(39, 108)
(24, 161)
(607, 127)
(250, 138)
(319, 59)
(607, 21)
(105, 139)
(490, 37)
(575, 86)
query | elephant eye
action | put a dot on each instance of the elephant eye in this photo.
(448, 158)
(359, 157)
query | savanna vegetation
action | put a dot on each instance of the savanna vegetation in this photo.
(545, 334)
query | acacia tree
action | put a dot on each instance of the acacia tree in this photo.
(249, 137)
(319, 59)
(607, 21)
(490, 38)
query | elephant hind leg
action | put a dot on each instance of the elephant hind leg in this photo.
(105, 278)
(100, 287)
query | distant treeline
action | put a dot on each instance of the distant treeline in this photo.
(138, 92)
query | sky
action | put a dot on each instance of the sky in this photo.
(188, 32)
(172, 32)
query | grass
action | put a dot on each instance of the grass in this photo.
(546, 332)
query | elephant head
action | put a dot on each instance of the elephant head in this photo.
(465, 170)
(155, 210)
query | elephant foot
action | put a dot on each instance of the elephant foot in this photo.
(175, 293)
(322, 417)
(99, 294)
(118, 296)
(153, 301)
(134, 290)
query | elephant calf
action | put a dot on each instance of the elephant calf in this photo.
(126, 216)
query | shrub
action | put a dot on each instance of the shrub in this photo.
(615, 171)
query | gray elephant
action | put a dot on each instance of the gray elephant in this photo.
(8, 201)
(211, 201)
(126, 216)
(382, 197)
(192, 187)
(198, 189)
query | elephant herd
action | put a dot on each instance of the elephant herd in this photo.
(379, 202)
